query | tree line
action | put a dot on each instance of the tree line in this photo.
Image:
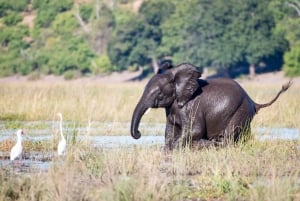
(74, 38)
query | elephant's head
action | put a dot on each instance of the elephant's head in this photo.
(169, 84)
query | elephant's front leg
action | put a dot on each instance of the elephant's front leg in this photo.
(172, 134)
(173, 131)
(193, 129)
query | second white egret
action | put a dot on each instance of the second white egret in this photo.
(62, 145)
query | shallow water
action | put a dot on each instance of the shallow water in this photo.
(106, 135)
(25, 166)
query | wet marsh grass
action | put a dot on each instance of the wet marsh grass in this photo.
(252, 171)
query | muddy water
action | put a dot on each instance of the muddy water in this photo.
(104, 135)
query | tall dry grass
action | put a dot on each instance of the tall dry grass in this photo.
(81, 102)
(255, 171)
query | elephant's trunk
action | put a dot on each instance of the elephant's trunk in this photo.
(139, 111)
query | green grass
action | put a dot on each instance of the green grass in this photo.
(251, 171)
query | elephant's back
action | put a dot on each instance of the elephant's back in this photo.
(221, 96)
(221, 88)
(218, 101)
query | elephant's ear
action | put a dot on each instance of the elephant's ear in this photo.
(186, 82)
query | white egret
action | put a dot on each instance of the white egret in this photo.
(16, 150)
(61, 148)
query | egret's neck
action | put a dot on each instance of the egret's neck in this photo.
(60, 126)
(61, 132)
(62, 135)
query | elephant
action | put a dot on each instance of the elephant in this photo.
(199, 112)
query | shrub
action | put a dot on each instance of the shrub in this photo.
(72, 74)
(64, 23)
(47, 10)
(86, 11)
(12, 5)
(292, 62)
(102, 65)
(12, 18)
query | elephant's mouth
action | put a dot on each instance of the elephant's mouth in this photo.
(156, 102)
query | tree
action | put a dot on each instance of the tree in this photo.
(287, 15)
(48, 9)
(221, 34)
(136, 38)
(11, 48)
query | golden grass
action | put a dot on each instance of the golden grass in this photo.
(251, 171)
(76, 101)
(283, 113)
(255, 171)
(81, 102)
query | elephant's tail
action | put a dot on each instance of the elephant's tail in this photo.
(283, 89)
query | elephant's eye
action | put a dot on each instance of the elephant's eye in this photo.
(160, 96)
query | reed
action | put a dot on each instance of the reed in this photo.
(84, 102)
(254, 171)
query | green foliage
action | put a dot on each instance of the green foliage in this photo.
(72, 74)
(58, 5)
(12, 18)
(157, 11)
(47, 10)
(86, 11)
(102, 64)
(292, 62)
(69, 53)
(136, 38)
(12, 5)
(219, 34)
(64, 23)
(9, 36)
(11, 49)
(128, 30)
(288, 24)
(45, 17)
(101, 24)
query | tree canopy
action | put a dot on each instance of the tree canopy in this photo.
(92, 37)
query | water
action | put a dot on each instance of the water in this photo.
(276, 134)
(105, 135)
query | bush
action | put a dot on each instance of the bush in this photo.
(292, 62)
(47, 10)
(72, 74)
(44, 18)
(86, 11)
(64, 23)
(12, 5)
(102, 65)
(12, 18)
(64, 54)
(35, 75)
(13, 34)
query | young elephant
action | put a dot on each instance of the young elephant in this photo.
(199, 112)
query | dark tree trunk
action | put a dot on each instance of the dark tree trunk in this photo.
(252, 71)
